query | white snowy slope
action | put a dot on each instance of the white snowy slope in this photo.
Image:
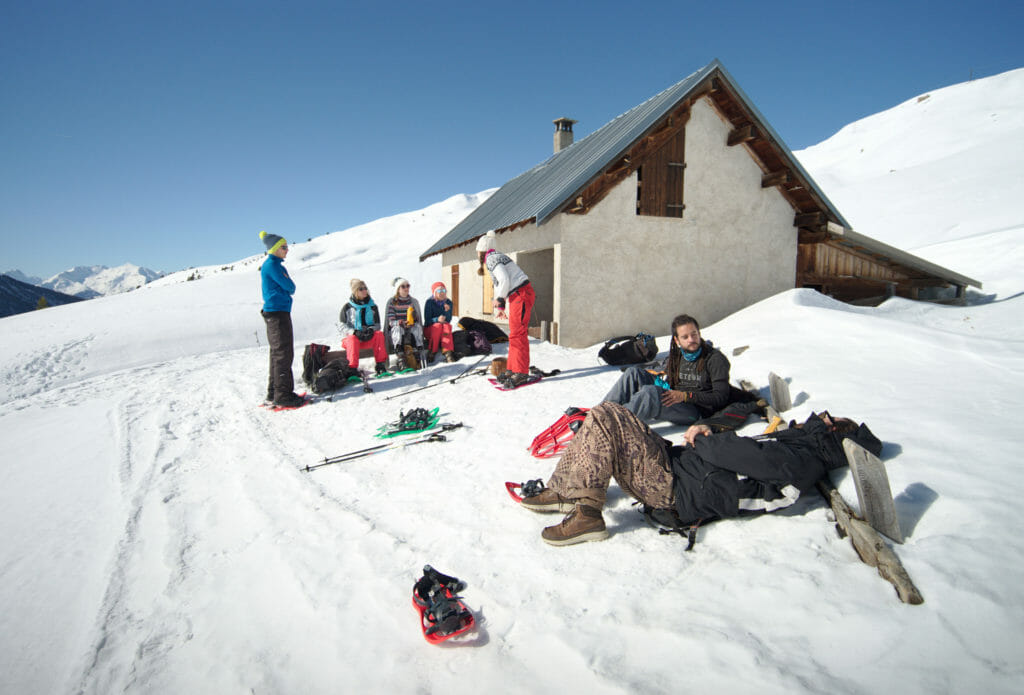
(161, 536)
(946, 163)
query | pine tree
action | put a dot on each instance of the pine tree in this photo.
(42, 303)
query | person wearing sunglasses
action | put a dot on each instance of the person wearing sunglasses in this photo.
(437, 321)
(405, 323)
(359, 325)
(278, 289)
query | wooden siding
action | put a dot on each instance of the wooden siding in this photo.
(850, 275)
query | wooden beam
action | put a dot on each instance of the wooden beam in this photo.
(775, 178)
(869, 545)
(810, 219)
(741, 135)
(806, 236)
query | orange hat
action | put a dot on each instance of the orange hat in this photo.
(437, 286)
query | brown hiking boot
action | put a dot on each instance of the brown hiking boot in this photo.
(584, 523)
(548, 501)
(449, 356)
(410, 357)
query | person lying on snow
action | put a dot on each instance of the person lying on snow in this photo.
(711, 476)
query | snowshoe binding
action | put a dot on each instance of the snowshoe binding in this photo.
(443, 615)
(530, 488)
(416, 420)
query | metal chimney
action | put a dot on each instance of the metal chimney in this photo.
(563, 133)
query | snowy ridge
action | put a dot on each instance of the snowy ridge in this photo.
(88, 281)
(945, 163)
(162, 537)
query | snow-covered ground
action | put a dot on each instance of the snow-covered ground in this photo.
(161, 536)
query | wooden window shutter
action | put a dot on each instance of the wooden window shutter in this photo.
(660, 179)
(455, 290)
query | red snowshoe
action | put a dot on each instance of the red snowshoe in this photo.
(443, 615)
(554, 439)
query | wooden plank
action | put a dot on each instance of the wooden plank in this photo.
(775, 178)
(873, 491)
(869, 545)
(810, 219)
(779, 391)
(743, 134)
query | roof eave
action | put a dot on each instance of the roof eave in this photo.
(905, 258)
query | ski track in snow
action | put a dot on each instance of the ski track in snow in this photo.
(41, 371)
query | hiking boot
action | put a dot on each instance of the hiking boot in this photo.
(431, 356)
(410, 357)
(399, 362)
(548, 501)
(290, 400)
(449, 356)
(584, 523)
(511, 380)
(380, 368)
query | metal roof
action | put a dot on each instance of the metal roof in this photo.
(539, 193)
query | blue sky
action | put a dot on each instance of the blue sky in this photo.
(169, 134)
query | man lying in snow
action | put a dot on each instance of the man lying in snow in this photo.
(710, 477)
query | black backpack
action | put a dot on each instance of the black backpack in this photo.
(312, 361)
(333, 376)
(491, 331)
(468, 343)
(629, 349)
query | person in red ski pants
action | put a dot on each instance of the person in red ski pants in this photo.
(513, 299)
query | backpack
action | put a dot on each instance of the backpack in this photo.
(333, 376)
(312, 362)
(491, 331)
(629, 349)
(466, 343)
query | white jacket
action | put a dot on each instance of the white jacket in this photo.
(505, 275)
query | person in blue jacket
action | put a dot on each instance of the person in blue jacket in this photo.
(278, 289)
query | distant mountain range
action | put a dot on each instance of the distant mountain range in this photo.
(88, 281)
(20, 293)
(17, 297)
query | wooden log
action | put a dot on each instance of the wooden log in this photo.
(810, 219)
(775, 178)
(869, 545)
(743, 134)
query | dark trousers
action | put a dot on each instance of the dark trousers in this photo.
(280, 383)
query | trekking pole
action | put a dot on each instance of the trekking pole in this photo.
(468, 372)
(434, 436)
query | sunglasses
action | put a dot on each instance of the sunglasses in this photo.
(403, 287)
(361, 289)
